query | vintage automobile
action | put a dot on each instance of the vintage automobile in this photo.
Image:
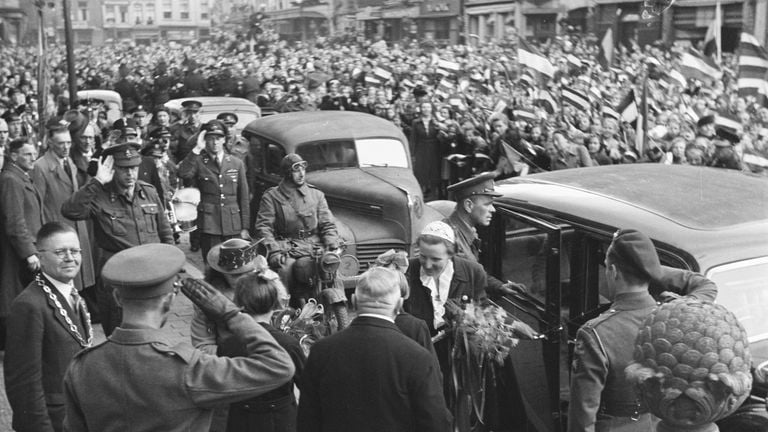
(112, 101)
(551, 232)
(363, 165)
(245, 110)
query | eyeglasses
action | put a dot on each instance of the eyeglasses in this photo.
(63, 252)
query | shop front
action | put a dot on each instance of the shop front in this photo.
(438, 20)
(488, 21)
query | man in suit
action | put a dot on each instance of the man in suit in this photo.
(55, 177)
(371, 376)
(21, 217)
(47, 326)
(223, 212)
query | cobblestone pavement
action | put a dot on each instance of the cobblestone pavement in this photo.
(177, 326)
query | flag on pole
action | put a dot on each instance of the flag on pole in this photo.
(575, 98)
(444, 88)
(627, 108)
(753, 68)
(713, 39)
(447, 67)
(529, 56)
(696, 66)
(606, 49)
(678, 78)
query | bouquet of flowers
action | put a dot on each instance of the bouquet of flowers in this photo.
(307, 324)
(486, 331)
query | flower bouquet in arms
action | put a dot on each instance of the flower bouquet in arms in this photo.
(484, 334)
(308, 324)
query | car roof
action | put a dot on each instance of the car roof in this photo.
(217, 103)
(299, 127)
(716, 215)
(105, 95)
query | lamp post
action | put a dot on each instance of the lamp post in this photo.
(42, 85)
(68, 37)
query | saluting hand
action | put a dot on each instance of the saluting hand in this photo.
(200, 145)
(215, 305)
(33, 263)
(105, 170)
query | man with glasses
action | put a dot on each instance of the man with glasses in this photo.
(125, 212)
(21, 216)
(223, 212)
(54, 176)
(48, 324)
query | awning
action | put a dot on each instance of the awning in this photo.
(289, 14)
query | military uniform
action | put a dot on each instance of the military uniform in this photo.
(601, 397)
(223, 211)
(119, 222)
(160, 385)
(181, 144)
(288, 212)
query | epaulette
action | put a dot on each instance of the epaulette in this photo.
(181, 350)
(603, 317)
(85, 351)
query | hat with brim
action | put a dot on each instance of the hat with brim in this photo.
(126, 153)
(159, 263)
(235, 256)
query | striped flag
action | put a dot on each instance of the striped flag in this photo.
(529, 56)
(575, 98)
(696, 66)
(444, 88)
(606, 49)
(527, 79)
(372, 81)
(595, 94)
(546, 101)
(713, 39)
(408, 83)
(728, 123)
(382, 72)
(678, 78)
(610, 113)
(447, 67)
(525, 115)
(627, 108)
(753, 68)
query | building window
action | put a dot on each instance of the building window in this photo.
(150, 13)
(167, 9)
(138, 12)
(123, 14)
(204, 9)
(184, 7)
(83, 7)
(109, 14)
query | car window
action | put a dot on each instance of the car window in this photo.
(275, 154)
(743, 289)
(387, 152)
(322, 155)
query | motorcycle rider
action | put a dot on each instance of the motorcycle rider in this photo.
(293, 218)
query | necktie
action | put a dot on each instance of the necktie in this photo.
(75, 301)
(67, 169)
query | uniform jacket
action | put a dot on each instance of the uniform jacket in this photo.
(468, 246)
(21, 216)
(468, 279)
(371, 377)
(117, 222)
(55, 186)
(287, 212)
(182, 141)
(39, 348)
(601, 397)
(165, 387)
(223, 208)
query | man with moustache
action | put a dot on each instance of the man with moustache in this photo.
(125, 212)
(54, 176)
(48, 324)
(21, 216)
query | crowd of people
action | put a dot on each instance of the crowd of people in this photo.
(85, 199)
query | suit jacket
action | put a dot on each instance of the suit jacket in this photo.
(371, 377)
(40, 346)
(426, 152)
(55, 187)
(21, 217)
(224, 206)
(469, 279)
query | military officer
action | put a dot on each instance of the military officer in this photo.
(181, 132)
(236, 145)
(601, 397)
(140, 381)
(474, 207)
(294, 213)
(125, 212)
(223, 212)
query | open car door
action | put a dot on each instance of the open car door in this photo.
(530, 381)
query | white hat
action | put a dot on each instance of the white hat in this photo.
(439, 229)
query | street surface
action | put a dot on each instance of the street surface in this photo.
(177, 326)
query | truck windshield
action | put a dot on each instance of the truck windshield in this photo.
(743, 289)
(368, 152)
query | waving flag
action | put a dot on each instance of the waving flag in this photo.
(606, 49)
(753, 68)
(713, 39)
(627, 108)
(529, 56)
(575, 98)
(696, 66)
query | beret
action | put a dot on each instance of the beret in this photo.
(145, 271)
(634, 249)
(481, 184)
